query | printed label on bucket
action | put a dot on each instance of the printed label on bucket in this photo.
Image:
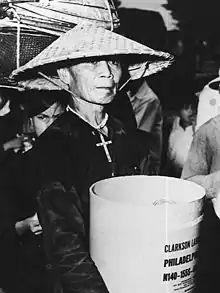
(179, 262)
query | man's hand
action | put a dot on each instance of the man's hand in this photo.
(34, 225)
(15, 144)
(21, 142)
(31, 223)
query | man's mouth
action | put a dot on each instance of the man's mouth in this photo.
(105, 87)
(109, 89)
(107, 84)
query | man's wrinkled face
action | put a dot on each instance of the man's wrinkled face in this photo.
(96, 80)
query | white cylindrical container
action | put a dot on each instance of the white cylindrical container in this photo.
(144, 233)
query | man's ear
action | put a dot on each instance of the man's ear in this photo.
(64, 75)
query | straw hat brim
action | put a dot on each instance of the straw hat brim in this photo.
(8, 84)
(55, 84)
(92, 41)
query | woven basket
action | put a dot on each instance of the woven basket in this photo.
(58, 16)
(31, 44)
(42, 22)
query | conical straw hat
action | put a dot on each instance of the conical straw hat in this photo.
(50, 84)
(92, 41)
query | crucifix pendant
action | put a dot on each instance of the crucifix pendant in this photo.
(104, 144)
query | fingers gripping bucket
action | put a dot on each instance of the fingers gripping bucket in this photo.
(144, 233)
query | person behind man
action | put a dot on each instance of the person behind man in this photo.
(145, 102)
(137, 106)
(179, 129)
(85, 144)
(203, 167)
(148, 113)
(11, 118)
(21, 258)
(203, 163)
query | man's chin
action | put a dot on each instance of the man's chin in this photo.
(106, 100)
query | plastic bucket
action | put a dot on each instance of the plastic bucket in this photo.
(144, 233)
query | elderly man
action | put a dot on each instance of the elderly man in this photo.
(83, 145)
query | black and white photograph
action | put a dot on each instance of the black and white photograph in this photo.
(109, 146)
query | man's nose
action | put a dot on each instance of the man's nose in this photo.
(104, 69)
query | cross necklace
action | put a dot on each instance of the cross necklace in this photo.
(99, 128)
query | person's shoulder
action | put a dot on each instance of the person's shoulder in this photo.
(214, 121)
(145, 91)
(57, 133)
(62, 127)
(209, 129)
(117, 125)
(210, 124)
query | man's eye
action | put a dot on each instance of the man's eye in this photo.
(114, 62)
(92, 61)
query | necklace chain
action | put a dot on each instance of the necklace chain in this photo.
(98, 127)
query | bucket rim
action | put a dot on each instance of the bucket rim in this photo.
(179, 202)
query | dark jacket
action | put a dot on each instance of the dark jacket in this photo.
(64, 207)
(53, 178)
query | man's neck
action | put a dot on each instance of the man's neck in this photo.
(92, 113)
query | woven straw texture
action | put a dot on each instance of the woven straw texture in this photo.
(41, 22)
(43, 84)
(58, 17)
(92, 41)
(31, 44)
